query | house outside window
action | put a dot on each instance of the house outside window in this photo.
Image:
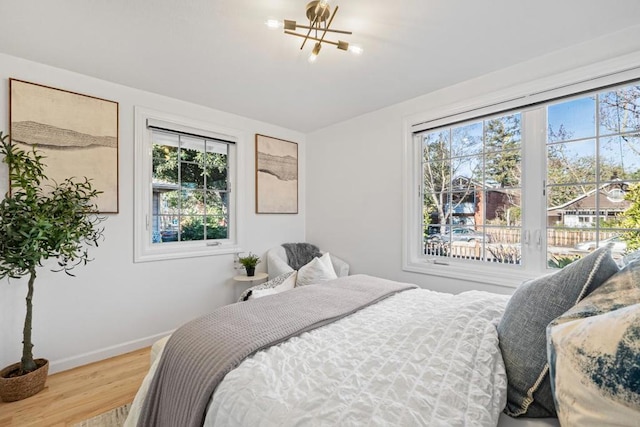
(593, 173)
(531, 188)
(471, 189)
(185, 187)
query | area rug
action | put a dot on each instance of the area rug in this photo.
(113, 418)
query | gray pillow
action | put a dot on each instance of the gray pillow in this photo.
(522, 329)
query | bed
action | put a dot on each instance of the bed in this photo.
(415, 357)
(361, 350)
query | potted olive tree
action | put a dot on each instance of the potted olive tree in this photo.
(249, 263)
(40, 222)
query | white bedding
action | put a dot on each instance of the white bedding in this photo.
(417, 358)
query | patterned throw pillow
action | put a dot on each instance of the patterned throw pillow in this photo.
(287, 285)
(522, 329)
(276, 281)
(629, 258)
(594, 355)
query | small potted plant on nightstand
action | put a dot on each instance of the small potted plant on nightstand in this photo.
(249, 263)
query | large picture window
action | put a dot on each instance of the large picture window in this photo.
(532, 188)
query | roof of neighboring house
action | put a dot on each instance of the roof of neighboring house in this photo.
(605, 203)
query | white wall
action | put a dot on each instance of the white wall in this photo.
(114, 305)
(353, 208)
(354, 169)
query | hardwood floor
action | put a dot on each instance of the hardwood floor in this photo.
(81, 393)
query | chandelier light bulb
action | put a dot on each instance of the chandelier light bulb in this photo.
(315, 52)
(273, 24)
(356, 50)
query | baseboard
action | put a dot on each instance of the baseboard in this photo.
(103, 353)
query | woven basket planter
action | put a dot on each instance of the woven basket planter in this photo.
(23, 386)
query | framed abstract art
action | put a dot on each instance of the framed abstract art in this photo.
(77, 134)
(276, 176)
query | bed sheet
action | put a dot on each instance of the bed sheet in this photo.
(417, 358)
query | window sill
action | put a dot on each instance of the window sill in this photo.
(184, 250)
(504, 276)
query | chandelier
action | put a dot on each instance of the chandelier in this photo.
(320, 18)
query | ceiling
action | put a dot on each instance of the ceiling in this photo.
(219, 53)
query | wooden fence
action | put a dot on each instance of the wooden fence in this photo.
(555, 237)
(570, 238)
(505, 244)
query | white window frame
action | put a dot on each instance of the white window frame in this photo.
(144, 249)
(525, 98)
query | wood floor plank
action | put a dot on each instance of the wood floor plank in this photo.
(81, 393)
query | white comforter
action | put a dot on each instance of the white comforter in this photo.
(419, 358)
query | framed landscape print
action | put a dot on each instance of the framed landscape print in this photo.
(77, 134)
(276, 176)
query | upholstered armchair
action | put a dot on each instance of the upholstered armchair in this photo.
(296, 264)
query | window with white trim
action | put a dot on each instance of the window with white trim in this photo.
(185, 174)
(529, 188)
(593, 174)
(471, 190)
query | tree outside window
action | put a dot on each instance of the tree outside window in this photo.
(472, 180)
(190, 195)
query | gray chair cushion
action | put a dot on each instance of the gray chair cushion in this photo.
(522, 329)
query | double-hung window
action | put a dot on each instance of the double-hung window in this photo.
(190, 189)
(514, 193)
(185, 203)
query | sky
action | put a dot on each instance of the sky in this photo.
(577, 119)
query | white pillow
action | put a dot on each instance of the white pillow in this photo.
(326, 260)
(288, 284)
(317, 270)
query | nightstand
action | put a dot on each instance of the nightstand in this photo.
(244, 282)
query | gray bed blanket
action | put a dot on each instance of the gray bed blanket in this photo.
(199, 354)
